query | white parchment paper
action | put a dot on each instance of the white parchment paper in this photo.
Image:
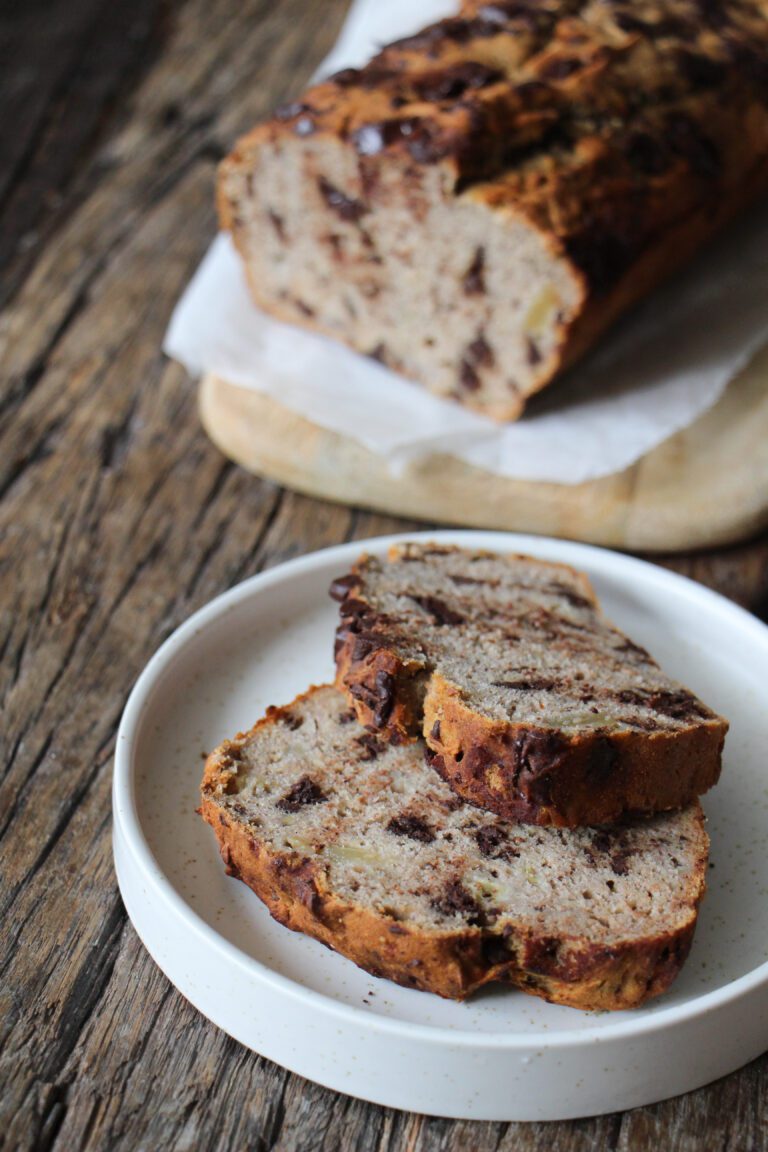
(651, 376)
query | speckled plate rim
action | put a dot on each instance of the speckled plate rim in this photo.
(128, 824)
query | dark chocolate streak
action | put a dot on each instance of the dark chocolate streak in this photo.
(345, 207)
(412, 826)
(437, 609)
(305, 791)
(455, 899)
(474, 278)
(340, 587)
(370, 745)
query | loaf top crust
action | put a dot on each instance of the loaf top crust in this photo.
(362, 838)
(601, 122)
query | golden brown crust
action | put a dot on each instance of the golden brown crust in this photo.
(523, 772)
(530, 775)
(452, 964)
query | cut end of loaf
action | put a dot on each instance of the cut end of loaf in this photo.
(359, 844)
(388, 258)
(483, 198)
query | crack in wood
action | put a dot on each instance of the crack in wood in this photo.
(37, 760)
(52, 1115)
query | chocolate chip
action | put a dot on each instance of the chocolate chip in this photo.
(491, 840)
(278, 224)
(677, 705)
(353, 607)
(379, 697)
(479, 352)
(633, 697)
(363, 646)
(630, 648)
(536, 753)
(341, 586)
(306, 889)
(342, 636)
(532, 353)
(292, 721)
(347, 717)
(474, 278)
(494, 951)
(367, 696)
(455, 900)
(471, 580)
(602, 842)
(435, 733)
(541, 955)
(454, 81)
(371, 747)
(468, 377)
(530, 684)
(304, 792)
(560, 67)
(411, 826)
(575, 599)
(345, 207)
(437, 609)
(385, 693)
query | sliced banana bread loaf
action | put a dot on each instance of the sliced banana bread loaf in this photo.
(358, 843)
(482, 199)
(531, 703)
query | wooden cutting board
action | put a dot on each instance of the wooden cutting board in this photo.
(706, 486)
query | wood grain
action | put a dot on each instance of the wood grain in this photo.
(705, 486)
(119, 519)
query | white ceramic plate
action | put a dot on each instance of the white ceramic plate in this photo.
(504, 1055)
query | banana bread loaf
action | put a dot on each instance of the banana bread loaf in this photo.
(531, 703)
(359, 844)
(484, 198)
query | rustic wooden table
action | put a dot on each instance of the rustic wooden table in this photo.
(119, 519)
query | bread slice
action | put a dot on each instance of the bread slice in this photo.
(361, 845)
(531, 703)
(484, 198)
